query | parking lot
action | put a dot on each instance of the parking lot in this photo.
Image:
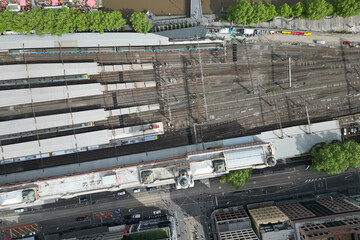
(21, 231)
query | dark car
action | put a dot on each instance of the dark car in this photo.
(82, 218)
(150, 189)
(83, 200)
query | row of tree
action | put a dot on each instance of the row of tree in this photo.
(336, 158)
(64, 20)
(245, 12)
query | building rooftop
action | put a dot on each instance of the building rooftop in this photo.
(242, 234)
(296, 211)
(81, 40)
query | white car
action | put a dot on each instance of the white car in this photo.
(19, 210)
(121, 193)
(136, 190)
(157, 212)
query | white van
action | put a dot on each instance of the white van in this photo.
(19, 210)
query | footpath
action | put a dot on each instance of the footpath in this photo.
(329, 25)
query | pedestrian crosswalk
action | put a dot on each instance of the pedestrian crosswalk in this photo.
(314, 179)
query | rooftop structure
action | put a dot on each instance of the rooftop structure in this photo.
(346, 226)
(26, 71)
(232, 223)
(267, 216)
(23, 71)
(76, 142)
(77, 40)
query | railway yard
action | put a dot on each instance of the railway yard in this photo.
(204, 92)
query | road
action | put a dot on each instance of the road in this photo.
(216, 99)
(191, 207)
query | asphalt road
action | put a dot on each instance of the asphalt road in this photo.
(233, 99)
(191, 207)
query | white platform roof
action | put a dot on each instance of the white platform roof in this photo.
(71, 143)
(26, 96)
(245, 157)
(298, 140)
(51, 121)
(23, 71)
(81, 40)
(45, 146)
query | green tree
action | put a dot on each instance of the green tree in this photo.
(237, 178)
(284, 10)
(139, 22)
(297, 9)
(241, 12)
(352, 151)
(335, 158)
(270, 11)
(317, 9)
(346, 8)
(259, 14)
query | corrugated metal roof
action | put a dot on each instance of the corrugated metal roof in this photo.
(55, 144)
(24, 71)
(244, 158)
(50, 121)
(24, 96)
(297, 140)
(81, 40)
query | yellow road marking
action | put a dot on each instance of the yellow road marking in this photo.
(16, 232)
(28, 229)
(22, 230)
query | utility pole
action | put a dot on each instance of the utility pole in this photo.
(290, 72)
(308, 118)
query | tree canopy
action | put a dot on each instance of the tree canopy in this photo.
(60, 21)
(335, 158)
(237, 178)
(297, 9)
(244, 12)
(346, 8)
(284, 10)
(139, 22)
(317, 9)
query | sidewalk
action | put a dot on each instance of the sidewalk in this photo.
(329, 25)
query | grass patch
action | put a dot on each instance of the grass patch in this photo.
(151, 235)
(273, 89)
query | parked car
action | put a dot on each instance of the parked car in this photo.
(121, 193)
(82, 218)
(83, 200)
(344, 131)
(157, 212)
(19, 210)
(150, 189)
(117, 211)
(136, 190)
(346, 42)
(320, 42)
(136, 216)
